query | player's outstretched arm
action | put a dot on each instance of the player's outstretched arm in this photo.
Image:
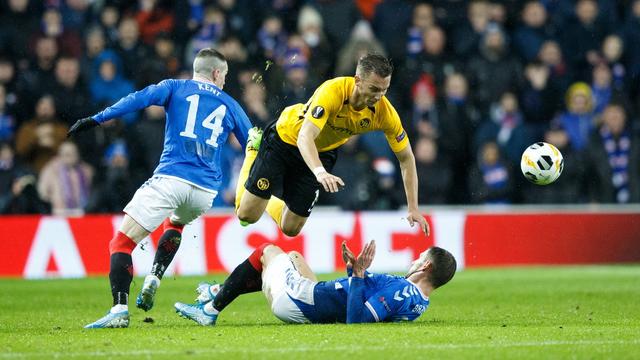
(82, 125)
(410, 180)
(357, 311)
(307, 146)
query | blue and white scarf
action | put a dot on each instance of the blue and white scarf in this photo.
(618, 154)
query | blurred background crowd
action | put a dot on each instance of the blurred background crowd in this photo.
(475, 82)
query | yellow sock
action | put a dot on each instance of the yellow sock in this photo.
(249, 158)
(275, 206)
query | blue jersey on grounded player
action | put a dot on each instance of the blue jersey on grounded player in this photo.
(374, 298)
(199, 119)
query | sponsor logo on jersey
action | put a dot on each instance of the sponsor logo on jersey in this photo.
(263, 184)
(401, 136)
(317, 112)
(365, 122)
(384, 303)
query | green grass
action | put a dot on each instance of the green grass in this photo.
(514, 313)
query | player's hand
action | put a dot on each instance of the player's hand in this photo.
(347, 255)
(82, 125)
(415, 216)
(365, 259)
(330, 183)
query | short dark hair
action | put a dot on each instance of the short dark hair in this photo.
(443, 266)
(211, 52)
(374, 63)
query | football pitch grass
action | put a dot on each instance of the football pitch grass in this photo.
(513, 313)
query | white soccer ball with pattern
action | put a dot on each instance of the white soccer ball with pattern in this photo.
(542, 163)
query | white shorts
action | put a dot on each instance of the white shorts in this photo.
(280, 283)
(161, 197)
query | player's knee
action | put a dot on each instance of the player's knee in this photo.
(247, 216)
(291, 229)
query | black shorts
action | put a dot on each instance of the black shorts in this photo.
(280, 170)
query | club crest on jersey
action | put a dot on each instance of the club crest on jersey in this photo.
(263, 184)
(401, 136)
(317, 112)
(365, 122)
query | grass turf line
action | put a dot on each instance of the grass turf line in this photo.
(530, 313)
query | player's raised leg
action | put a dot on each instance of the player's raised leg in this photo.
(245, 278)
(121, 273)
(167, 248)
(249, 207)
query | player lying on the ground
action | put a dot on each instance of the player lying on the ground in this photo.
(295, 295)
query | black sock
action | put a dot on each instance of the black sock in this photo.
(120, 276)
(244, 279)
(167, 249)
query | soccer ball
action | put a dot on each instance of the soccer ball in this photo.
(542, 163)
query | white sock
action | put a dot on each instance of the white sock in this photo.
(119, 308)
(209, 309)
(152, 277)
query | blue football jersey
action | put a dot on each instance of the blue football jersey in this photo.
(386, 298)
(199, 118)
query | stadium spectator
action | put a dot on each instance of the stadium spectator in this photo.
(356, 170)
(539, 98)
(153, 19)
(16, 99)
(240, 17)
(103, 198)
(534, 31)
(18, 186)
(422, 20)
(506, 128)
(70, 92)
(613, 156)
(423, 119)
(38, 139)
(612, 55)
(578, 120)
(433, 59)
(341, 16)
(310, 28)
(494, 70)
(560, 73)
(582, 37)
(490, 180)
(211, 30)
(131, 49)
(7, 120)
(94, 45)
(148, 133)
(68, 40)
(163, 62)
(75, 14)
(254, 100)
(432, 190)
(272, 38)
(108, 23)
(603, 89)
(19, 19)
(362, 41)
(109, 85)
(65, 182)
(468, 36)
(39, 77)
(358, 298)
(631, 35)
(457, 119)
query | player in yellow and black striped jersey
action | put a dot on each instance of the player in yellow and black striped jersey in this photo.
(297, 153)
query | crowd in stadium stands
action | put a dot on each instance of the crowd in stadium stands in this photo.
(475, 82)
